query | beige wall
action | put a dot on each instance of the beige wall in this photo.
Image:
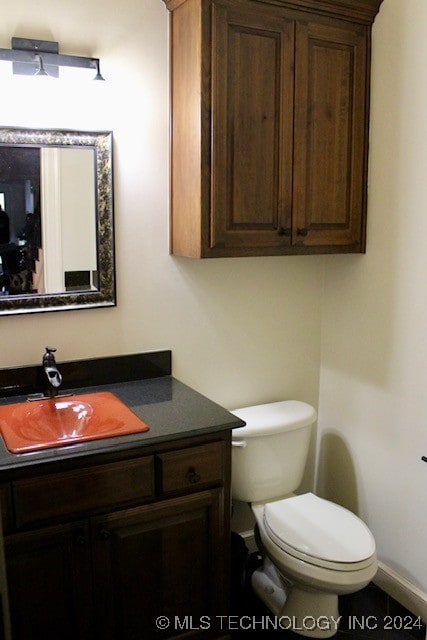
(249, 330)
(241, 331)
(373, 411)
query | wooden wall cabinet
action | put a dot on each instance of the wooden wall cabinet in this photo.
(269, 130)
(101, 551)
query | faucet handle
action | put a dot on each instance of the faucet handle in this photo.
(50, 349)
(48, 357)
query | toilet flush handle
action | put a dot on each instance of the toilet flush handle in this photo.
(239, 443)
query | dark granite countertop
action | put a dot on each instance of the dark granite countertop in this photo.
(171, 409)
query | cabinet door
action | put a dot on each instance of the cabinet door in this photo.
(165, 559)
(49, 581)
(330, 135)
(252, 112)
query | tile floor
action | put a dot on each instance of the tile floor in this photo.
(370, 614)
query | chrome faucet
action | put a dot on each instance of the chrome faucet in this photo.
(52, 373)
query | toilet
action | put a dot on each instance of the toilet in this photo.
(313, 550)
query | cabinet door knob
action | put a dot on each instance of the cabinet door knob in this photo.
(193, 476)
(284, 231)
(302, 232)
(80, 539)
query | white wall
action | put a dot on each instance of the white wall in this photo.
(373, 411)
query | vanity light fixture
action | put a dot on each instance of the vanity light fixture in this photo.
(42, 58)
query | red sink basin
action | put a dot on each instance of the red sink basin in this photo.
(55, 422)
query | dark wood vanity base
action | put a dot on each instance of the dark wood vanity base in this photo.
(125, 537)
(102, 548)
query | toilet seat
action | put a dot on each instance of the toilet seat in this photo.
(319, 532)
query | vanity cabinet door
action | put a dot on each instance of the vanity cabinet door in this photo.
(49, 582)
(6, 509)
(163, 559)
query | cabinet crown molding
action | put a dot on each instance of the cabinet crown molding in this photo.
(359, 10)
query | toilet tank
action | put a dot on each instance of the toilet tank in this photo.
(269, 454)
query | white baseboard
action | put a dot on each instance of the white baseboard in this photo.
(399, 588)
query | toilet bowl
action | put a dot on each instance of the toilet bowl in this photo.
(313, 550)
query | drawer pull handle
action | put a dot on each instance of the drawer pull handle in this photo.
(193, 476)
(302, 232)
(105, 534)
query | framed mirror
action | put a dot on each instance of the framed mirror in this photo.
(56, 220)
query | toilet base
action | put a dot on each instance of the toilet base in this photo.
(313, 614)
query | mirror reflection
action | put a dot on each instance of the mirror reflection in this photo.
(20, 224)
(56, 220)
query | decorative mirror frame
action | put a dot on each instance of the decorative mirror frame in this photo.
(105, 295)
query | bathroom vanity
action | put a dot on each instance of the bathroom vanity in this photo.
(125, 537)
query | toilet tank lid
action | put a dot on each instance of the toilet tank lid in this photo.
(273, 417)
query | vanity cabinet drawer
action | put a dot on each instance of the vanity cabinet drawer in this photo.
(188, 468)
(83, 491)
